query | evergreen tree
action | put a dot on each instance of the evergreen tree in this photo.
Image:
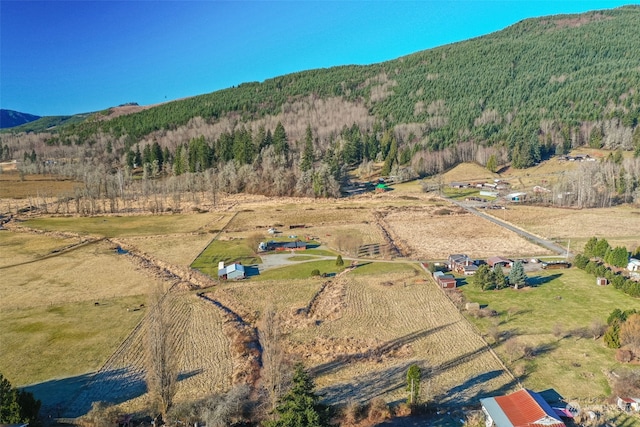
(391, 158)
(492, 163)
(483, 278)
(137, 160)
(17, 406)
(156, 154)
(517, 275)
(280, 140)
(339, 261)
(413, 384)
(590, 247)
(299, 406)
(601, 248)
(618, 257)
(306, 162)
(499, 278)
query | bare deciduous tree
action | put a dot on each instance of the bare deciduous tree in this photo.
(273, 360)
(161, 360)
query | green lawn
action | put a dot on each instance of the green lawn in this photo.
(224, 250)
(565, 299)
(299, 271)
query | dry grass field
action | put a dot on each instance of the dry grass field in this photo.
(373, 327)
(431, 235)
(13, 186)
(619, 225)
(362, 330)
(128, 226)
(17, 248)
(204, 362)
(180, 249)
(92, 273)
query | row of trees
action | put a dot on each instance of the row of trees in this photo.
(487, 278)
(600, 248)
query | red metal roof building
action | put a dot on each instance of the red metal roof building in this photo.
(523, 408)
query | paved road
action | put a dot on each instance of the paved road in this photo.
(535, 239)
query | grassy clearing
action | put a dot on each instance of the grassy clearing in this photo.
(120, 226)
(224, 250)
(280, 295)
(320, 252)
(299, 271)
(178, 250)
(56, 341)
(16, 248)
(619, 225)
(86, 274)
(574, 366)
(13, 187)
(370, 268)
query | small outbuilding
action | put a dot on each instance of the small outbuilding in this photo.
(629, 404)
(634, 264)
(497, 260)
(602, 281)
(233, 271)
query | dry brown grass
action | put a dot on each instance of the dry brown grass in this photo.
(410, 318)
(175, 249)
(91, 273)
(433, 236)
(205, 363)
(16, 248)
(12, 187)
(619, 225)
(468, 172)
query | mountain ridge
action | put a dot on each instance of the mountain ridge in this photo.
(11, 118)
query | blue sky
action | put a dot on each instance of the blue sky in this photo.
(67, 57)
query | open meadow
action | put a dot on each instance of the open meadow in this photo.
(620, 225)
(550, 318)
(357, 330)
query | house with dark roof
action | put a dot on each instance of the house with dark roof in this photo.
(523, 408)
(457, 262)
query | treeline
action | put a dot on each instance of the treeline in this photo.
(599, 257)
(598, 184)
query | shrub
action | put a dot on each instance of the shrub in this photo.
(315, 272)
(624, 355)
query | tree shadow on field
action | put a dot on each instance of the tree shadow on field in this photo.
(541, 280)
(72, 397)
(341, 360)
(366, 387)
(475, 388)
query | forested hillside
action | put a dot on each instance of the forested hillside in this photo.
(540, 87)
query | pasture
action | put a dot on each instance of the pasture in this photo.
(548, 318)
(619, 225)
(363, 328)
(126, 226)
